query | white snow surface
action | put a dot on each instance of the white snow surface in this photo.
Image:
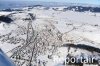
(80, 27)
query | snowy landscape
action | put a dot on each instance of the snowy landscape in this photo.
(47, 36)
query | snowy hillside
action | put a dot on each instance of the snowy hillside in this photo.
(47, 36)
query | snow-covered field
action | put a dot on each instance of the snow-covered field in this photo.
(54, 32)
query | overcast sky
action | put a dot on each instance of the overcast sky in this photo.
(72, 1)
